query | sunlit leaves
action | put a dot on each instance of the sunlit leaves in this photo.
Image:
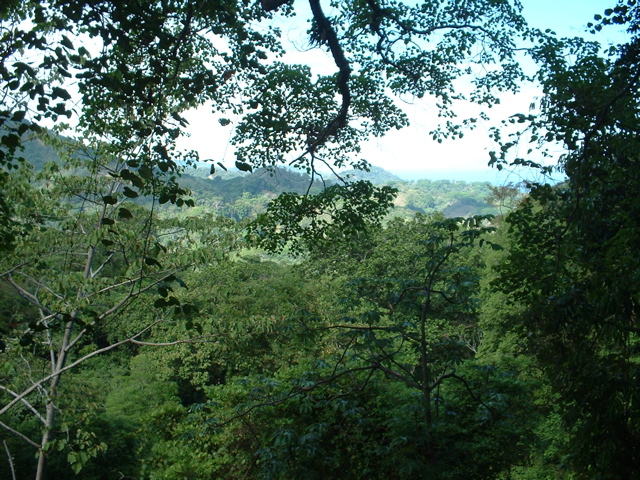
(297, 221)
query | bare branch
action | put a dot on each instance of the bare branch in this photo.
(473, 395)
(132, 295)
(81, 360)
(23, 293)
(39, 284)
(344, 354)
(133, 281)
(22, 436)
(77, 338)
(106, 262)
(399, 376)
(134, 340)
(24, 400)
(442, 378)
(271, 5)
(176, 342)
(6, 449)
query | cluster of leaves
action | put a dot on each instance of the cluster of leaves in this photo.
(338, 211)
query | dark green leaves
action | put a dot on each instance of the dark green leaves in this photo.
(66, 42)
(212, 170)
(569, 290)
(166, 302)
(58, 92)
(18, 115)
(152, 262)
(129, 193)
(109, 199)
(243, 167)
(124, 214)
(133, 178)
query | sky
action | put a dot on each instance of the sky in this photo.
(411, 153)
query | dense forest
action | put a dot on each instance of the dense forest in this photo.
(271, 320)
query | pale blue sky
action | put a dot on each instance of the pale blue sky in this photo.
(411, 153)
(565, 17)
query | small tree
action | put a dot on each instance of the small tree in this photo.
(88, 260)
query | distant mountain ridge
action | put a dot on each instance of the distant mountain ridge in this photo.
(375, 175)
(269, 182)
(239, 194)
(453, 198)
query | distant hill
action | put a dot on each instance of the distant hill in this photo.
(465, 207)
(453, 198)
(237, 194)
(36, 152)
(268, 182)
(376, 175)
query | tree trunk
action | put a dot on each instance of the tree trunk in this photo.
(424, 361)
(50, 418)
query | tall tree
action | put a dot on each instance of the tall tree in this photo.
(572, 272)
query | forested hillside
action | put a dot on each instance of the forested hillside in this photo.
(249, 194)
(241, 195)
(274, 321)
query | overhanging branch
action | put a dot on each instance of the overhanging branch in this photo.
(271, 5)
(328, 34)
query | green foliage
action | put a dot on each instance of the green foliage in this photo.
(249, 195)
(266, 373)
(345, 398)
(571, 276)
(454, 199)
(133, 87)
(85, 255)
(340, 210)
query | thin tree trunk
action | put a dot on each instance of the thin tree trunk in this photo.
(426, 374)
(6, 449)
(57, 369)
(50, 418)
(424, 364)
